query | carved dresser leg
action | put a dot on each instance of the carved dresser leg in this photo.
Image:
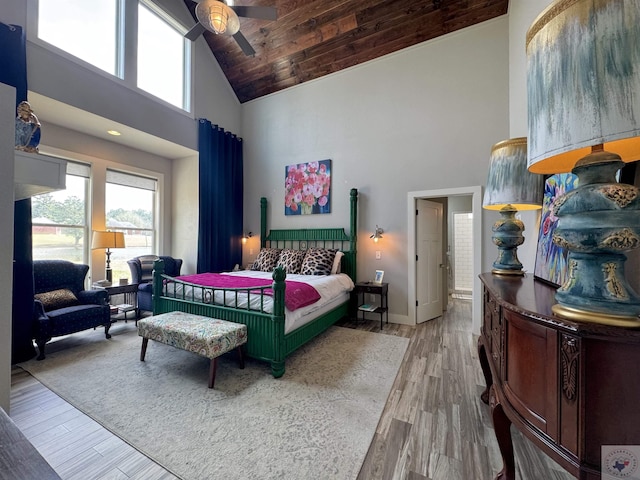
(486, 371)
(502, 426)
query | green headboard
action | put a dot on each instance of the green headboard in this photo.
(301, 239)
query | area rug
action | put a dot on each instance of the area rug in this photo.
(316, 422)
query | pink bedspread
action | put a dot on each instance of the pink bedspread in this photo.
(296, 294)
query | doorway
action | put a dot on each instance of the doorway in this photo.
(476, 210)
(461, 255)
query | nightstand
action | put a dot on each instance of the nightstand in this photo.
(362, 289)
(130, 292)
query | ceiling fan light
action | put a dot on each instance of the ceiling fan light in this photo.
(217, 17)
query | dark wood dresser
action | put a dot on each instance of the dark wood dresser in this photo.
(569, 387)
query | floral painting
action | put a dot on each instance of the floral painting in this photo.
(308, 188)
(551, 260)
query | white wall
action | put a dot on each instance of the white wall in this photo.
(185, 212)
(424, 118)
(7, 140)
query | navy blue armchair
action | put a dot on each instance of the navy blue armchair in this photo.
(62, 306)
(142, 274)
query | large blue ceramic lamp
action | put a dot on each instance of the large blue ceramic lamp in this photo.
(583, 86)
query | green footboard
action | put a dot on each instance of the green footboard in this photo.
(266, 339)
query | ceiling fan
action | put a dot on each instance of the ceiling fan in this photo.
(222, 19)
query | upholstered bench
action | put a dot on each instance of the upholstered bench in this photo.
(205, 336)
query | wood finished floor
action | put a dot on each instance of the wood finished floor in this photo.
(433, 427)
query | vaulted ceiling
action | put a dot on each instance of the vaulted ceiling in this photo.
(313, 38)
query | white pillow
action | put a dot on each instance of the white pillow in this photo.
(336, 263)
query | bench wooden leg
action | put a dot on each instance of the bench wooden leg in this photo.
(143, 351)
(241, 357)
(212, 371)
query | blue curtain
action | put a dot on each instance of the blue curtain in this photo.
(221, 197)
(13, 71)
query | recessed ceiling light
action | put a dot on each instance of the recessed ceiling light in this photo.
(115, 133)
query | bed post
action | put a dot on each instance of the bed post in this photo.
(158, 270)
(277, 363)
(263, 222)
(354, 230)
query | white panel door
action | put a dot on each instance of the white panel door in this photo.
(429, 225)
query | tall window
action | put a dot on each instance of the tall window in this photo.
(130, 208)
(59, 219)
(96, 31)
(89, 30)
(163, 55)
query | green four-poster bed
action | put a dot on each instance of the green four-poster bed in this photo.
(269, 338)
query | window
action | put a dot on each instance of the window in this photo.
(130, 208)
(97, 23)
(163, 66)
(162, 56)
(59, 219)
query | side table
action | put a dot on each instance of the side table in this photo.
(130, 292)
(381, 289)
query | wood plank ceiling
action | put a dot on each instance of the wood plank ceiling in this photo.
(313, 38)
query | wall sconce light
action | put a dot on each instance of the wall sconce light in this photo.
(246, 237)
(107, 240)
(377, 234)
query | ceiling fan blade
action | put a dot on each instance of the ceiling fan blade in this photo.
(263, 13)
(244, 44)
(195, 32)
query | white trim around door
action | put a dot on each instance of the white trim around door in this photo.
(476, 193)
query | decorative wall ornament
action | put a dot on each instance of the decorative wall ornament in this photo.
(27, 129)
(308, 188)
(569, 353)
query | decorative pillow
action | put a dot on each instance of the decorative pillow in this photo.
(56, 299)
(291, 260)
(336, 263)
(267, 260)
(318, 261)
(146, 267)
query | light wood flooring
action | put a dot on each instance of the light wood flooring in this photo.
(433, 427)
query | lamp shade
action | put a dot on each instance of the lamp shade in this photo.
(217, 17)
(107, 240)
(583, 82)
(509, 182)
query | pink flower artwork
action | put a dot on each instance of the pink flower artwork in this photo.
(307, 188)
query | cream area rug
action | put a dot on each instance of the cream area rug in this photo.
(316, 422)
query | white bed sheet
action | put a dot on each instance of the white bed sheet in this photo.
(333, 290)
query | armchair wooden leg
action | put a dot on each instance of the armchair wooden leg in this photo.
(41, 344)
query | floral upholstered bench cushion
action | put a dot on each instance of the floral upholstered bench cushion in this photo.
(205, 336)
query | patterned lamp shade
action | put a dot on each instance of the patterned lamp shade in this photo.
(509, 181)
(583, 82)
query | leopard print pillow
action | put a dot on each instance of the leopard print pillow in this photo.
(267, 260)
(291, 260)
(56, 299)
(318, 261)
